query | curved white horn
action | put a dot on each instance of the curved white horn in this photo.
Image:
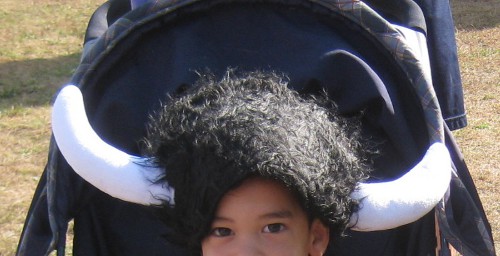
(384, 205)
(112, 171)
(392, 204)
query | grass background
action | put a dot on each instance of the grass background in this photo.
(40, 44)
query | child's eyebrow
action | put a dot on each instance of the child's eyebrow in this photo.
(278, 214)
(222, 218)
(271, 215)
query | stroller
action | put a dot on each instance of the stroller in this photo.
(369, 56)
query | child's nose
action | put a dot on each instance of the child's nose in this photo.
(248, 246)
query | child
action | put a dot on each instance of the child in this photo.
(256, 167)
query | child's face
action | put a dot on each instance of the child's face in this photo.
(261, 217)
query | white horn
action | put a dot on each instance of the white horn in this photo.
(392, 204)
(112, 171)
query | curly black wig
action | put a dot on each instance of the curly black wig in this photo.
(217, 133)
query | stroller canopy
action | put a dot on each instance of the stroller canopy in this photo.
(362, 60)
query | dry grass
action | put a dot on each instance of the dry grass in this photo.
(20, 167)
(478, 41)
(40, 42)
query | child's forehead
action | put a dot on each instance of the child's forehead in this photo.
(270, 196)
(253, 183)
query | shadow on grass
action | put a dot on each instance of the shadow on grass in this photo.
(476, 15)
(34, 82)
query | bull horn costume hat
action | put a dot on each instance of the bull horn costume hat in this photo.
(384, 205)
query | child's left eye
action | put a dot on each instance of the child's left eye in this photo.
(274, 228)
(221, 232)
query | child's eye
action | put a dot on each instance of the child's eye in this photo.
(274, 228)
(221, 232)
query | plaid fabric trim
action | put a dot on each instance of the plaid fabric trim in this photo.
(450, 230)
(393, 41)
(354, 10)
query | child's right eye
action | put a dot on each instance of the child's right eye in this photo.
(222, 232)
(274, 228)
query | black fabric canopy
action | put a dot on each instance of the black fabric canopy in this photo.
(129, 67)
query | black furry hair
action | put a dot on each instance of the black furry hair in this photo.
(218, 133)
